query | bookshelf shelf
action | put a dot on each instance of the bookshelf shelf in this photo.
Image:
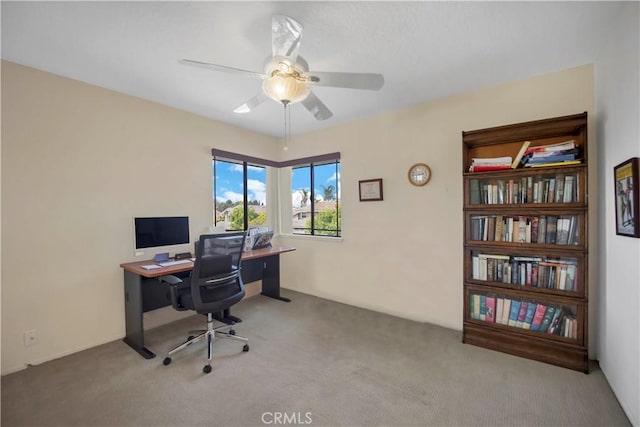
(525, 243)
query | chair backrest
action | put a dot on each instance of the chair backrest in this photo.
(216, 282)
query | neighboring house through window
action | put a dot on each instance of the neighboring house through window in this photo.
(240, 192)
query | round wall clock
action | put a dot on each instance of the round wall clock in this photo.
(419, 174)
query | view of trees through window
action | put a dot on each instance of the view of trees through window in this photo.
(239, 187)
(239, 192)
(315, 199)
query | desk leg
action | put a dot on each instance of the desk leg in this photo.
(271, 278)
(133, 314)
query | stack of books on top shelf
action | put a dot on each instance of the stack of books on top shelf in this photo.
(561, 154)
(485, 164)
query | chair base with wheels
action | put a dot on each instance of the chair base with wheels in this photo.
(208, 334)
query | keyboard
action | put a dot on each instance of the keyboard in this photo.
(172, 263)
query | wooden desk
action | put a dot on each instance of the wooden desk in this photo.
(143, 292)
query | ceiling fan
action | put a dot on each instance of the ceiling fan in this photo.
(286, 77)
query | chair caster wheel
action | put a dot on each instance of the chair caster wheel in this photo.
(245, 348)
(206, 369)
(166, 361)
(232, 332)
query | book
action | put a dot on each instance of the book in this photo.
(562, 230)
(513, 313)
(488, 168)
(571, 278)
(499, 308)
(528, 317)
(546, 319)
(483, 307)
(548, 154)
(565, 163)
(491, 160)
(522, 314)
(506, 310)
(550, 159)
(491, 309)
(523, 148)
(474, 189)
(500, 192)
(491, 228)
(559, 188)
(555, 322)
(482, 267)
(475, 267)
(551, 229)
(476, 306)
(566, 145)
(499, 228)
(537, 317)
(522, 229)
(551, 192)
(542, 229)
(568, 189)
(535, 222)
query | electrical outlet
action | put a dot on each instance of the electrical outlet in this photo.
(30, 337)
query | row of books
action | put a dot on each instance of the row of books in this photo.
(559, 154)
(547, 229)
(559, 188)
(547, 319)
(536, 272)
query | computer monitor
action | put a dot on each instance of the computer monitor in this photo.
(151, 232)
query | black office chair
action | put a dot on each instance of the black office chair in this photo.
(214, 286)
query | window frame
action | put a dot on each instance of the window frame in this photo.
(245, 188)
(312, 230)
(293, 163)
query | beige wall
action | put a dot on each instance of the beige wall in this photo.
(403, 255)
(617, 82)
(78, 162)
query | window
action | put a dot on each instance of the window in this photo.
(240, 187)
(239, 194)
(315, 199)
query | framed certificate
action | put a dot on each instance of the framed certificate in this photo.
(370, 190)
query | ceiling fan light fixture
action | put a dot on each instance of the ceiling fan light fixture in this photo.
(285, 88)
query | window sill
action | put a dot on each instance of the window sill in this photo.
(311, 237)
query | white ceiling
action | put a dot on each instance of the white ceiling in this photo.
(425, 50)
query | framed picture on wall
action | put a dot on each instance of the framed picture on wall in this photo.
(370, 190)
(625, 177)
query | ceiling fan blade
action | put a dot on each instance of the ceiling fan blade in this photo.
(286, 34)
(222, 68)
(368, 81)
(251, 104)
(316, 107)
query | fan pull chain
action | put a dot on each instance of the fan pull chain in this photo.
(287, 125)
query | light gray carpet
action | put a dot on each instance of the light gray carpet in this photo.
(315, 361)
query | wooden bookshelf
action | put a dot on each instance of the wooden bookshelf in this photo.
(526, 246)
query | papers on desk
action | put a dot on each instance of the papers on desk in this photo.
(150, 266)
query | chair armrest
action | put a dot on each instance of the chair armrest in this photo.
(176, 289)
(171, 280)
